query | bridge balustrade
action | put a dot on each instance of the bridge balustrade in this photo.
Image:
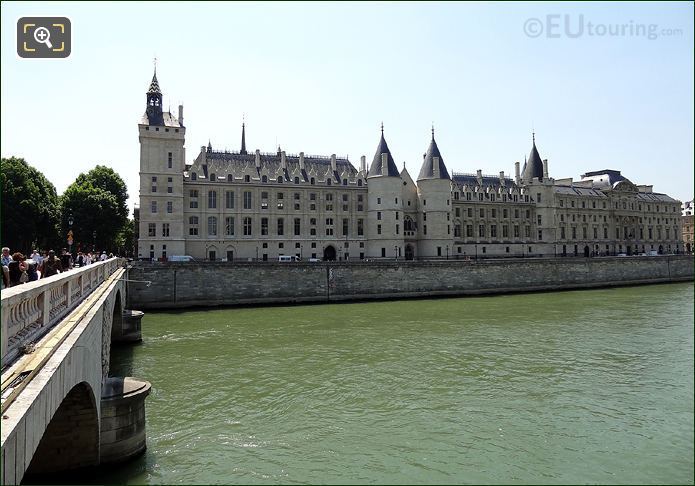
(31, 309)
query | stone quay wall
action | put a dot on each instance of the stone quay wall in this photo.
(181, 285)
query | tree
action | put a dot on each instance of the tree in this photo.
(30, 207)
(125, 241)
(97, 203)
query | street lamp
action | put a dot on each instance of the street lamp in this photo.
(395, 252)
(301, 251)
(70, 221)
(94, 240)
(256, 253)
(447, 252)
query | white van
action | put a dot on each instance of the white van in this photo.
(181, 258)
(288, 258)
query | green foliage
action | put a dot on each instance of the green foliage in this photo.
(30, 207)
(97, 203)
(125, 241)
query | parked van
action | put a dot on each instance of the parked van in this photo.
(288, 258)
(181, 258)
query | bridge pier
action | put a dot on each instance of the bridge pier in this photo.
(129, 329)
(122, 419)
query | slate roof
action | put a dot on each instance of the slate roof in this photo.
(168, 120)
(488, 181)
(154, 85)
(375, 169)
(427, 169)
(534, 165)
(604, 178)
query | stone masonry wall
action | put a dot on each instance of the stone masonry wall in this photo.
(215, 283)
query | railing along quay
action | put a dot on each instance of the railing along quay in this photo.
(31, 309)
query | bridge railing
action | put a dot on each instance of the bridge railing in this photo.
(31, 309)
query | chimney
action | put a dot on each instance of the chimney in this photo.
(435, 167)
(258, 159)
(283, 160)
(502, 182)
(181, 115)
(384, 164)
(301, 160)
(517, 173)
(334, 166)
(545, 168)
(363, 164)
(479, 176)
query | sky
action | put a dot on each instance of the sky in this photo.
(603, 85)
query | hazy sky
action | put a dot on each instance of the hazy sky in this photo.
(604, 85)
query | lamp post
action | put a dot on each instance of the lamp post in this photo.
(301, 251)
(256, 253)
(94, 240)
(395, 252)
(70, 221)
(447, 252)
(476, 252)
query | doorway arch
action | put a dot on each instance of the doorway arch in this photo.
(409, 252)
(586, 251)
(329, 253)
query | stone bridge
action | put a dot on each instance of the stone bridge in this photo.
(60, 408)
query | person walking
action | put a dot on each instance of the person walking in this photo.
(65, 260)
(36, 256)
(32, 271)
(6, 257)
(52, 265)
(17, 270)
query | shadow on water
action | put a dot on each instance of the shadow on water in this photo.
(118, 473)
(121, 360)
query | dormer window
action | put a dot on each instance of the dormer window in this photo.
(194, 176)
(263, 179)
(280, 180)
(213, 177)
(247, 178)
(230, 178)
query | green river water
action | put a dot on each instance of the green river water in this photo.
(592, 386)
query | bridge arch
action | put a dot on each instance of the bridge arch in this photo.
(71, 439)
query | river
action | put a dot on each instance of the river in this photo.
(591, 386)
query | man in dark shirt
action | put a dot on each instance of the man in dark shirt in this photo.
(65, 260)
(51, 265)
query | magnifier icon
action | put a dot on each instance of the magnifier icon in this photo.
(43, 36)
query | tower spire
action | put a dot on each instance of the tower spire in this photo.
(243, 138)
(382, 128)
(432, 130)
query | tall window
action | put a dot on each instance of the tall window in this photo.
(247, 199)
(170, 207)
(152, 229)
(297, 227)
(229, 226)
(154, 183)
(360, 227)
(194, 199)
(165, 229)
(247, 226)
(281, 226)
(212, 199)
(346, 224)
(481, 231)
(264, 226)
(229, 199)
(170, 160)
(154, 206)
(212, 226)
(193, 226)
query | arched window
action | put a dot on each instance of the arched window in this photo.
(328, 181)
(313, 181)
(345, 182)
(359, 182)
(194, 176)
(296, 180)
(280, 180)
(213, 177)
(230, 178)
(247, 178)
(264, 178)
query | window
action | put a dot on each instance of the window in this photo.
(346, 224)
(154, 206)
(378, 200)
(280, 200)
(378, 229)
(505, 231)
(470, 212)
(194, 176)
(230, 178)
(170, 160)
(469, 231)
(247, 178)
(540, 235)
(281, 226)
(229, 226)
(378, 215)
(516, 231)
(296, 180)
(247, 226)
(595, 232)
(212, 199)
(264, 226)
(313, 181)
(574, 233)
(360, 227)
(482, 213)
(213, 177)
(170, 207)
(152, 229)
(481, 231)
(247, 200)
(229, 199)
(154, 184)
(504, 213)
(297, 226)
(194, 199)
(493, 231)
(165, 229)
(494, 213)
(397, 229)
(538, 197)
(458, 212)
(193, 226)
(527, 231)
(212, 226)
(540, 220)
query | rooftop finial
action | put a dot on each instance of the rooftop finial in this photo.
(243, 137)
(382, 128)
(432, 130)
(533, 135)
(155, 65)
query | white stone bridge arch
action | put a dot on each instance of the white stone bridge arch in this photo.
(56, 342)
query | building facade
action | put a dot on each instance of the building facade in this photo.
(688, 225)
(245, 205)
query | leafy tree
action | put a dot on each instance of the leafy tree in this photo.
(125, 241)
(97, 203)
(30, 207)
